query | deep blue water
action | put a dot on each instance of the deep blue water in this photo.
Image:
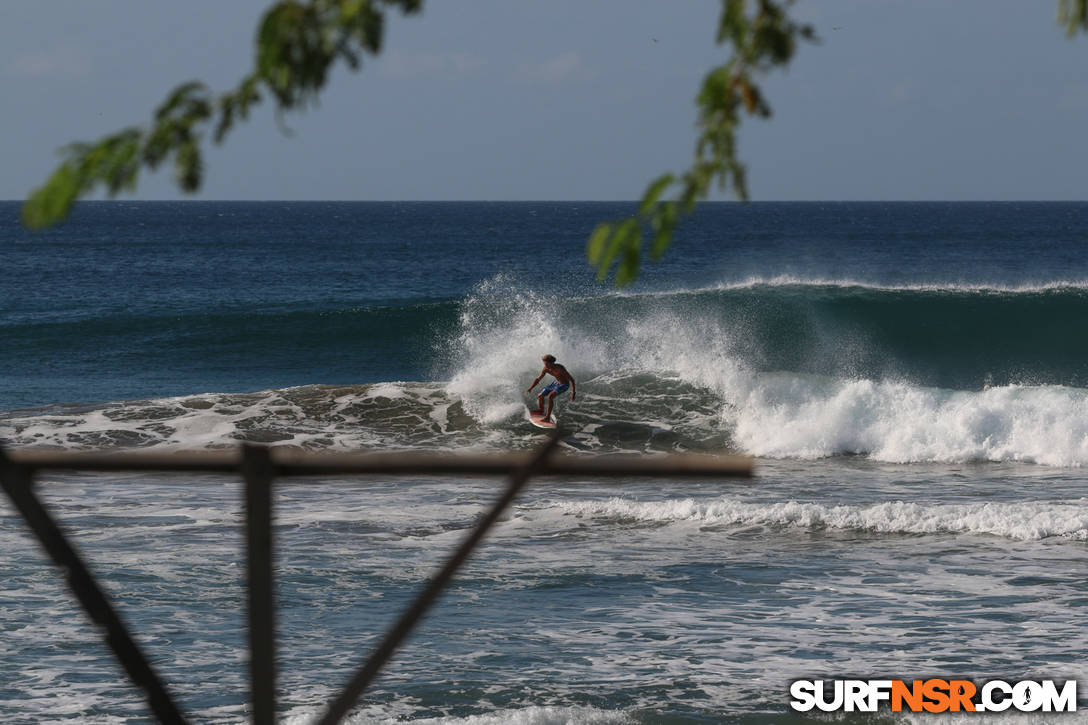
(130, 300)
(911, 379)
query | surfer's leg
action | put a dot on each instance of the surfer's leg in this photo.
(540, 403)
(551, 402)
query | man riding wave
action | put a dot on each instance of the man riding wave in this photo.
(563, 381)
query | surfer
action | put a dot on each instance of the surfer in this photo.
(563, 380)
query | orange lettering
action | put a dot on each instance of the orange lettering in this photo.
(961, 692)
(936, 691)
(912, 695)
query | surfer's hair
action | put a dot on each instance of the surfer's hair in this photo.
(548, 358)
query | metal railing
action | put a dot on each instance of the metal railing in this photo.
(259, 466)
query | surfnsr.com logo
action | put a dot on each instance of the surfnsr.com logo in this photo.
(933, 695)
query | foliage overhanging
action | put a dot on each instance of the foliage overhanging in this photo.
(298, 44)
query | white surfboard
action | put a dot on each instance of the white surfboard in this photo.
(540, 421)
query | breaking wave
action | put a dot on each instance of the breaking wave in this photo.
(777, 368)
(1020, 520)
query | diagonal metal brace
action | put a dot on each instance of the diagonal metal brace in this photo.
(403, 627)
(17, 481)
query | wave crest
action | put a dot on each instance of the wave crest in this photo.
(732, 371)
(1022, 521)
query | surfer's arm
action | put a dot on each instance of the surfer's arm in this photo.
(538, 379)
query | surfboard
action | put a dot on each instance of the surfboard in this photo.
(540, 421)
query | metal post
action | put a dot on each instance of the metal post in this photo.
(17, 482)
(258, 471)
(407, 621)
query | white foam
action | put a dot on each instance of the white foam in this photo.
(1006, 718)
(963, 286)
(533, 715)
(798, 417)
(504, 330)
(216, 420)
(388, 390)
(1022, 521)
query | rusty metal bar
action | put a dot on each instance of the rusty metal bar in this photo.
(300, 463)
(17, 481)
(407, 621)
(258, 473)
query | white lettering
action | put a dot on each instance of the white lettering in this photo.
(821, 698)
(992, 705)
(1064, 701)
(879, 691)
(803, 693)
(993, 696)
(855, 695)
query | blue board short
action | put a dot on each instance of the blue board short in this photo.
(556, 387)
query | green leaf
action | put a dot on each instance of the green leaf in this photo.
(715, 87)
(371, 30)
(628, 269)
(653, 192)
(183, 95)
(733, 24)
(663, 223)
(279, 42)
(50, 203)
(628, 233)
(595, 245)
(188, 166)
(1073, 14)
(297, 42)
(122, 165)
(226, 118)
(350, 10)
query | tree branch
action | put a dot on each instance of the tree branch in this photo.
(298, 43)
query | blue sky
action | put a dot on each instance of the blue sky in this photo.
(505, 100)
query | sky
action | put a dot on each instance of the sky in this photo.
(573, 100)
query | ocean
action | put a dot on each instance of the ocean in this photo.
(912, 379)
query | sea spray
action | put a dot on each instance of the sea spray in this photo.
(953, 336)
(504, 329)
(655, 372)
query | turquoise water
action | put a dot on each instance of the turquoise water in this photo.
(910, 377)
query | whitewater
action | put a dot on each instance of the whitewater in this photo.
(676, 370)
